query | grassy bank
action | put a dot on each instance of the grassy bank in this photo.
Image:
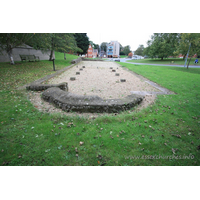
(166, 133)
(166, 61)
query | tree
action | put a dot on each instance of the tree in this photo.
(103, 46)
(9, 41)
(82, 41)
(130, 55)
(96, 46)
(139, 50)
(61, 42)
(183, 45)
(162, 45)
(127, 50)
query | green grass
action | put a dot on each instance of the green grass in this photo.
(30, 137)
(123, 56)
(167, 61)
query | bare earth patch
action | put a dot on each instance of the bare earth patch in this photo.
(96, 79)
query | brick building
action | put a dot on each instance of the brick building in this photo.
(91, 52)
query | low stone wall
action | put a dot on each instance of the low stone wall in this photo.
(71, 102)
(40, 87)
(38, 84)
(86, 59)
(76, 60)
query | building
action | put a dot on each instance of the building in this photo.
(102, 54)
(89, 52)
(95, 53)
(113, 49)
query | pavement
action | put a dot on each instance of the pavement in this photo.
(124, 60)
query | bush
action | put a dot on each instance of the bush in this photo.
(130, 55)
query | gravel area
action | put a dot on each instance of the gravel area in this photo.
(97, 78)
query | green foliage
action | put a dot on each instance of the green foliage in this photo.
(61, 42)
(184, 42)
(139, 50)
(162, 45)
(8, 41)
(104, 46)
(82, 41)
(126, 50)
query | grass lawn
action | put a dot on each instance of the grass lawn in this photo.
(166, 133)
(167, 61)
(123, 56)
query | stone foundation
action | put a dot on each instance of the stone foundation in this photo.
(40, 87)
(94, 104)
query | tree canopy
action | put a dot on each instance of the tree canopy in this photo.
(103, 46)
(126, 50)
(162, 45)
(184, 42)
(9, 41)
(82, 41)
(139, 50)
(61, 42)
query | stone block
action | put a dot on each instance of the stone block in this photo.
(72, 78)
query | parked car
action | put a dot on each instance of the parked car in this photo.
(117, 60)
(136, 57)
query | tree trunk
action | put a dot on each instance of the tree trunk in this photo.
(9, 50)
(51, 56)
(189, 62)
(64, 56)
(52, 49)
(11, 57)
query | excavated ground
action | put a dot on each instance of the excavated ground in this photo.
(98, 78)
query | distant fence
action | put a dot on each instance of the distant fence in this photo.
(27, 50)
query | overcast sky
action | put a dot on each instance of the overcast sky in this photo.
(132, 38)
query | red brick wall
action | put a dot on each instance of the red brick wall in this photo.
(90, 52)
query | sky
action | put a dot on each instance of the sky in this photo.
(132, 38)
